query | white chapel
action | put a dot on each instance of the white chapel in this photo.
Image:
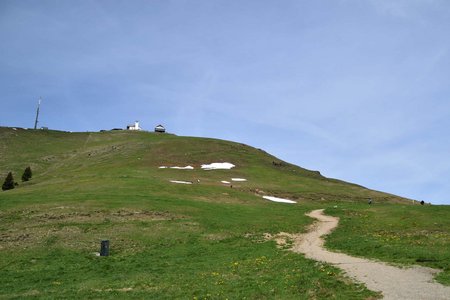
(134, 127)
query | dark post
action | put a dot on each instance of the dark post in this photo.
(37, 114)
(104, 248)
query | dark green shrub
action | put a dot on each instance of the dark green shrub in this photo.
(9, 182)
(27, 174)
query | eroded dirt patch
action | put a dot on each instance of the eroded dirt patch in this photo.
(283, 239)
(98, 215)
(75, 226)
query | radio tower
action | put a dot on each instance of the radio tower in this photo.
(37, 113)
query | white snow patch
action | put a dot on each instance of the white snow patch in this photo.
(226, 182)
(218, 166)
(179, 168)
(238, 179)
(276, 199)
(182, 182)
(183, 168)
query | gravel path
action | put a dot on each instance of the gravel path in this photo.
(395, 283)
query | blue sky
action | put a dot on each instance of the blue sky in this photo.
(358, 89)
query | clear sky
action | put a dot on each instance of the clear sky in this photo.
(357, 89)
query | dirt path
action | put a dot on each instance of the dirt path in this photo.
(395, 283)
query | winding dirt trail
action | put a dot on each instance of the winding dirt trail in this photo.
(395, 283)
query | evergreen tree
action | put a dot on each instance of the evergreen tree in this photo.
(9, 182)
(27, 174)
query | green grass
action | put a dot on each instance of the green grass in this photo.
(191, 249)
(201, 241)
(395, 233)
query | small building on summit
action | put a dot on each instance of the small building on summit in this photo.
(134, 127)
(160, 129)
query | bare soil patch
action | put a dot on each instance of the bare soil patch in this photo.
(71, 226)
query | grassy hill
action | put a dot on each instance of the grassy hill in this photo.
(129, 159)
(198, 241)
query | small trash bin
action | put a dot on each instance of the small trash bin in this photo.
(104, 248)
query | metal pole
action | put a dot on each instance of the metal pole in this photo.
(37, 114)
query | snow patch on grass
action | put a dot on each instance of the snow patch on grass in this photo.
(213, 166)
(178, 168)
(218, 166)
(276, 199)
(183, 168)
(238, 179)
(181, 182)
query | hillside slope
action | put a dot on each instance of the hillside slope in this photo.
(204, 240)
(99, 161)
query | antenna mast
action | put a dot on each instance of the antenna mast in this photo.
(37, 113)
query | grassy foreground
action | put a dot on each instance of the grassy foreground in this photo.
(199, 241)
(189, 250)
(395, 233)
